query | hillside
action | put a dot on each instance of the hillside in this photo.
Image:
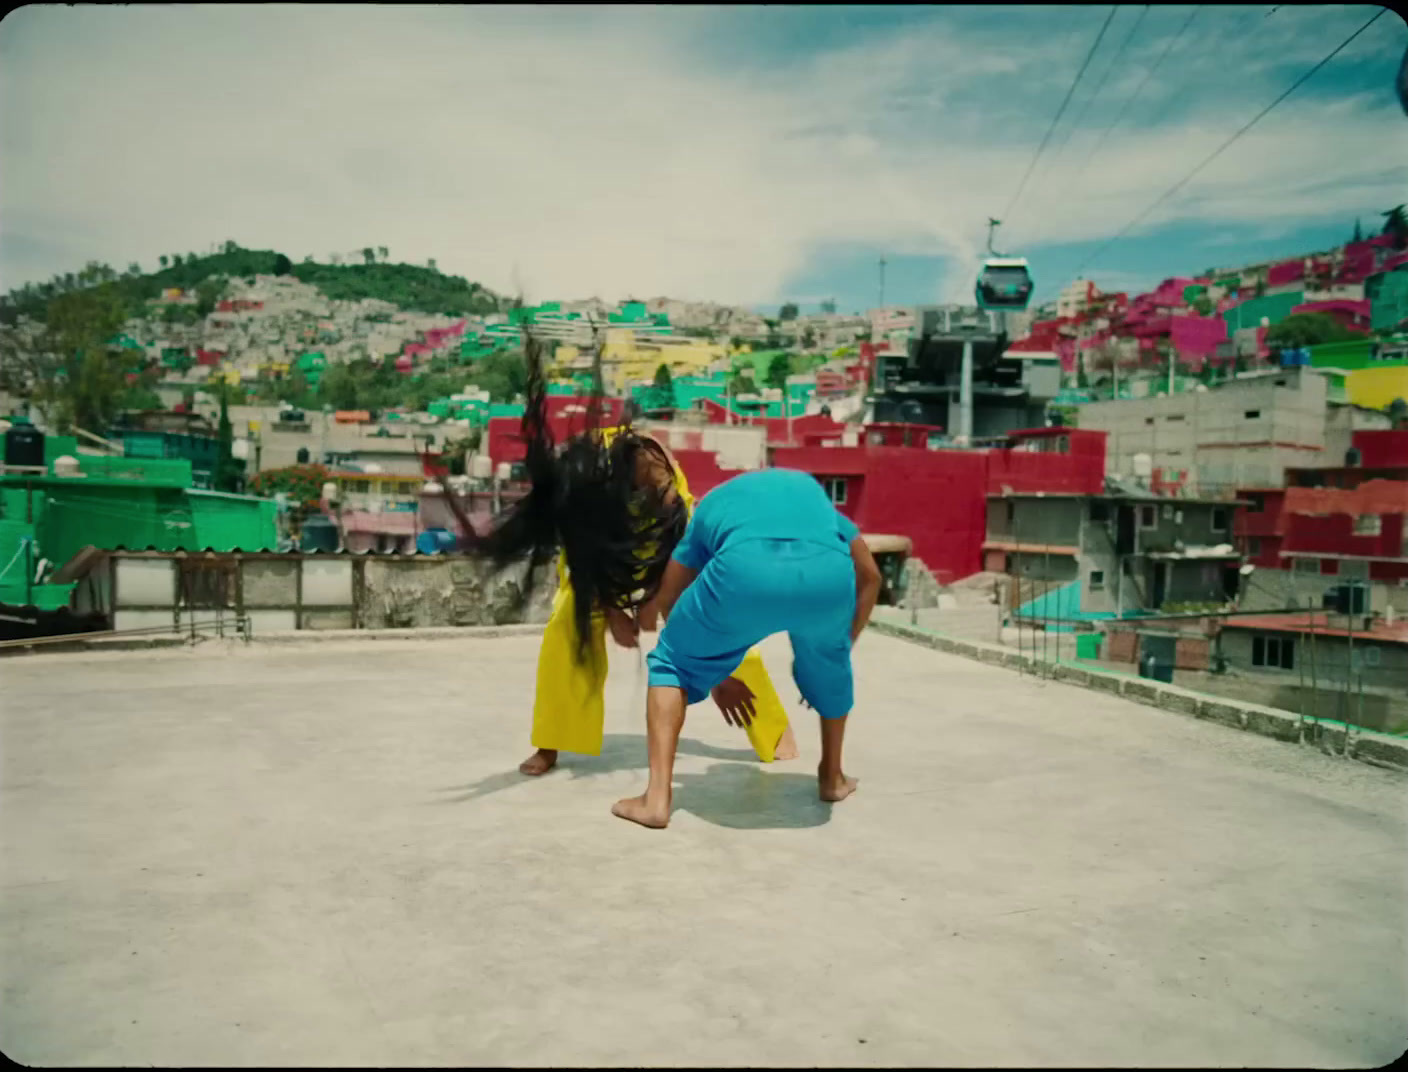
(408, 286)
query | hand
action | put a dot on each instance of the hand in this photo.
(623, 628)
(648, 617)
(735, 700)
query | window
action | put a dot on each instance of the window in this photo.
(1254, 547)
(1355, 571)
(1097, 580)
(1255, 504)
(1174, 417)
(1274, 652)
(1148, 420)
(1099, 511)
(1368, 525)
(1367, 656)
(1219, 519)
(1252, 414)
(835, 489)
(1306, 565)
(1148, 517)
(1329, 567)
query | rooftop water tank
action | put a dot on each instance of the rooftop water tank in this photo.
(24, 444)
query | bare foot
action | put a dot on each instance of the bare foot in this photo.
(786, 745)
(637, 810)
(835, 788)
(540, 762)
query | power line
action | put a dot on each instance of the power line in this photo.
(1103, 79)
(1135, 96)
(1225, 145)
(1060, 112)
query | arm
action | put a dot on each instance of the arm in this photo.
(867, 585)
(677, 578)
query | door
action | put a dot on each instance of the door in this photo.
(1160, 585)
(1124, 532)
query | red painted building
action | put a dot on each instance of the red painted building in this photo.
(567, 416)
(938, 498)
(1327, 517)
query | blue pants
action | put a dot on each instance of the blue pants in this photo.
(751, 591)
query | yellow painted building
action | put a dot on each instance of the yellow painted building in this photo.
(628, 359)
(1376, 388)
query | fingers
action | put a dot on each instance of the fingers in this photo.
(746, 712)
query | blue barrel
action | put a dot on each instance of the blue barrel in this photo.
(436, 541)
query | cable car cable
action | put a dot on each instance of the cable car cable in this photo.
(1225, 145)
(1103, 79)
(1135, 96)
(1060, 112)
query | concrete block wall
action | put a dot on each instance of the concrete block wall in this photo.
(278, 594)
(1330, 738)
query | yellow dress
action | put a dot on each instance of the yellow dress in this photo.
(569, 711)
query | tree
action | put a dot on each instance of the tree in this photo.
(227, 471)
(1358, 232)
(303, 484)
(431, 265)
(282, 265)
(829, 306)
(778, 370)
(164, 260)
(230, 246)
(134, 269)
(808, 338)
(1307, 329)
(87, 376)
(664, 387)
(742, 383)
(383, 253)
(207, 295)
(788, 311)
(1396, 224)
(369, 255)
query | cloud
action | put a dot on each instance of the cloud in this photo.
(625, 151)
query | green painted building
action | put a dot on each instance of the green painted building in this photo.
(114, 503)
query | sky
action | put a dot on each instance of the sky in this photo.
(745, 155)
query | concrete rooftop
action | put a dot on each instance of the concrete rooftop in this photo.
(321, 853)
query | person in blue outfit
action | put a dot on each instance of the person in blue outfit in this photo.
(764, 553)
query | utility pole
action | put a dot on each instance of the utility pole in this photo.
(882, 281)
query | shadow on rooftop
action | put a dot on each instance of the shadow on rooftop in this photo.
(737, 792)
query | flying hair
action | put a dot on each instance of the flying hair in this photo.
(583, 501)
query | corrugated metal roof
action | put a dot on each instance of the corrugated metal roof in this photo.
(1319, 625)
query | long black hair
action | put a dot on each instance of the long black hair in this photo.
(583, 500)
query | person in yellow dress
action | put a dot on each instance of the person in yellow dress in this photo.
(568, 708)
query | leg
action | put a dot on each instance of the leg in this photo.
(823, 673)
(690, 658)
(568, 710)
(770, 733)
(664, 718)
(832, 784)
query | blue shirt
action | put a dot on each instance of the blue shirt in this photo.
(767, 504)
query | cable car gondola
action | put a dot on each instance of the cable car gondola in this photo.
(1004, 285)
